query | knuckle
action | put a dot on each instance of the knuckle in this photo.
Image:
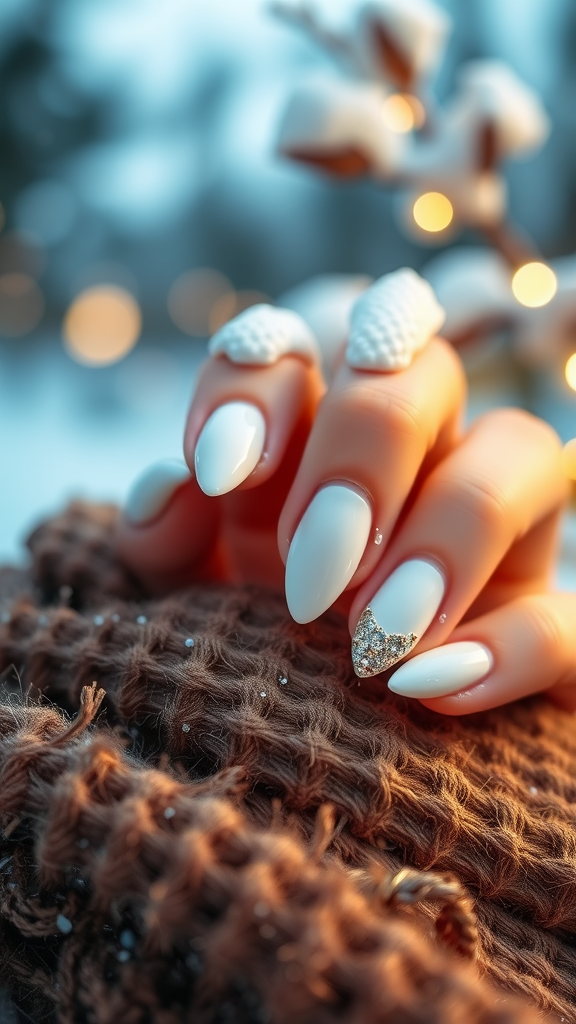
(482, 499)
(545, 627)
(394, 411)
(513, 420)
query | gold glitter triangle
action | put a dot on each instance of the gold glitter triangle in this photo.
(374, 650)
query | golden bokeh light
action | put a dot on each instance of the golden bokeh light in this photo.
(403, 113)
(222, 311)
(102, 325)
(534, 284)
(232, 304)
(569, 459)
(21, 305)
(433, 212)
(193, 297)
(570, 371)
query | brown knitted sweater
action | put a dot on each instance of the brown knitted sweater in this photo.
(237, 830)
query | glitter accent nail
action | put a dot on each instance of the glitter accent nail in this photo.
(377, 537)
(442, 618)
(373, 650)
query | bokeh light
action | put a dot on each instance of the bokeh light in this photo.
(21, 305)
(222, 311)
(570, 371)
(433, 211)
(193, 297)
(403, 113)
(569, 459)
(534, 284)
(231, 304)
(102, 325)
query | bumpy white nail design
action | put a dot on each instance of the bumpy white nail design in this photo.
(326, 550)
(229, 447)
(397, 616)
(262, 334)
(392, 321)
(152, 491)
(444, 670)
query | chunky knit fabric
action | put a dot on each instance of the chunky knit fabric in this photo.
(206, 817)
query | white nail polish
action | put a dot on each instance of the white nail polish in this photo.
(397, 616)
(326, 550)
(152, 491)
(229, 447)
(447, 669)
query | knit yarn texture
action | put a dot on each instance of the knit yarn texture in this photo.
(207, 818)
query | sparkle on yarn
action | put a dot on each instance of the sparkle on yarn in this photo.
(98, 620)
(169, 813)
(189, 642)
(262, 693)
(141, 620)
(282, 680)
(185, 727)
(64, 924)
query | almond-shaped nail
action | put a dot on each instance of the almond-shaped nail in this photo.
(152, 491)
(229, 447)
(326, 550)
(442, 671)
(397, 616)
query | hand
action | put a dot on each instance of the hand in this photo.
(439, 541)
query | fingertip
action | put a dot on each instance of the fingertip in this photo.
(151, 492)
(168, 528)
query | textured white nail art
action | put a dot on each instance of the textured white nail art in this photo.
(444, 670)
(152, 491)
(392, 321)
(397, 616)
(326, 550)
(262, 334)
(229, 447)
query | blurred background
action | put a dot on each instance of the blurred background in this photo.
(143, 205)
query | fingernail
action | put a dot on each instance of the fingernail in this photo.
(229, 447)
(326, 550)
(397, 616)
(444, 670)
(153, 490)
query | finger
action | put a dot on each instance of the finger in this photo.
(522, 648)
(167, 534)
(371, 437)
(243, 416)
(483, 498)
